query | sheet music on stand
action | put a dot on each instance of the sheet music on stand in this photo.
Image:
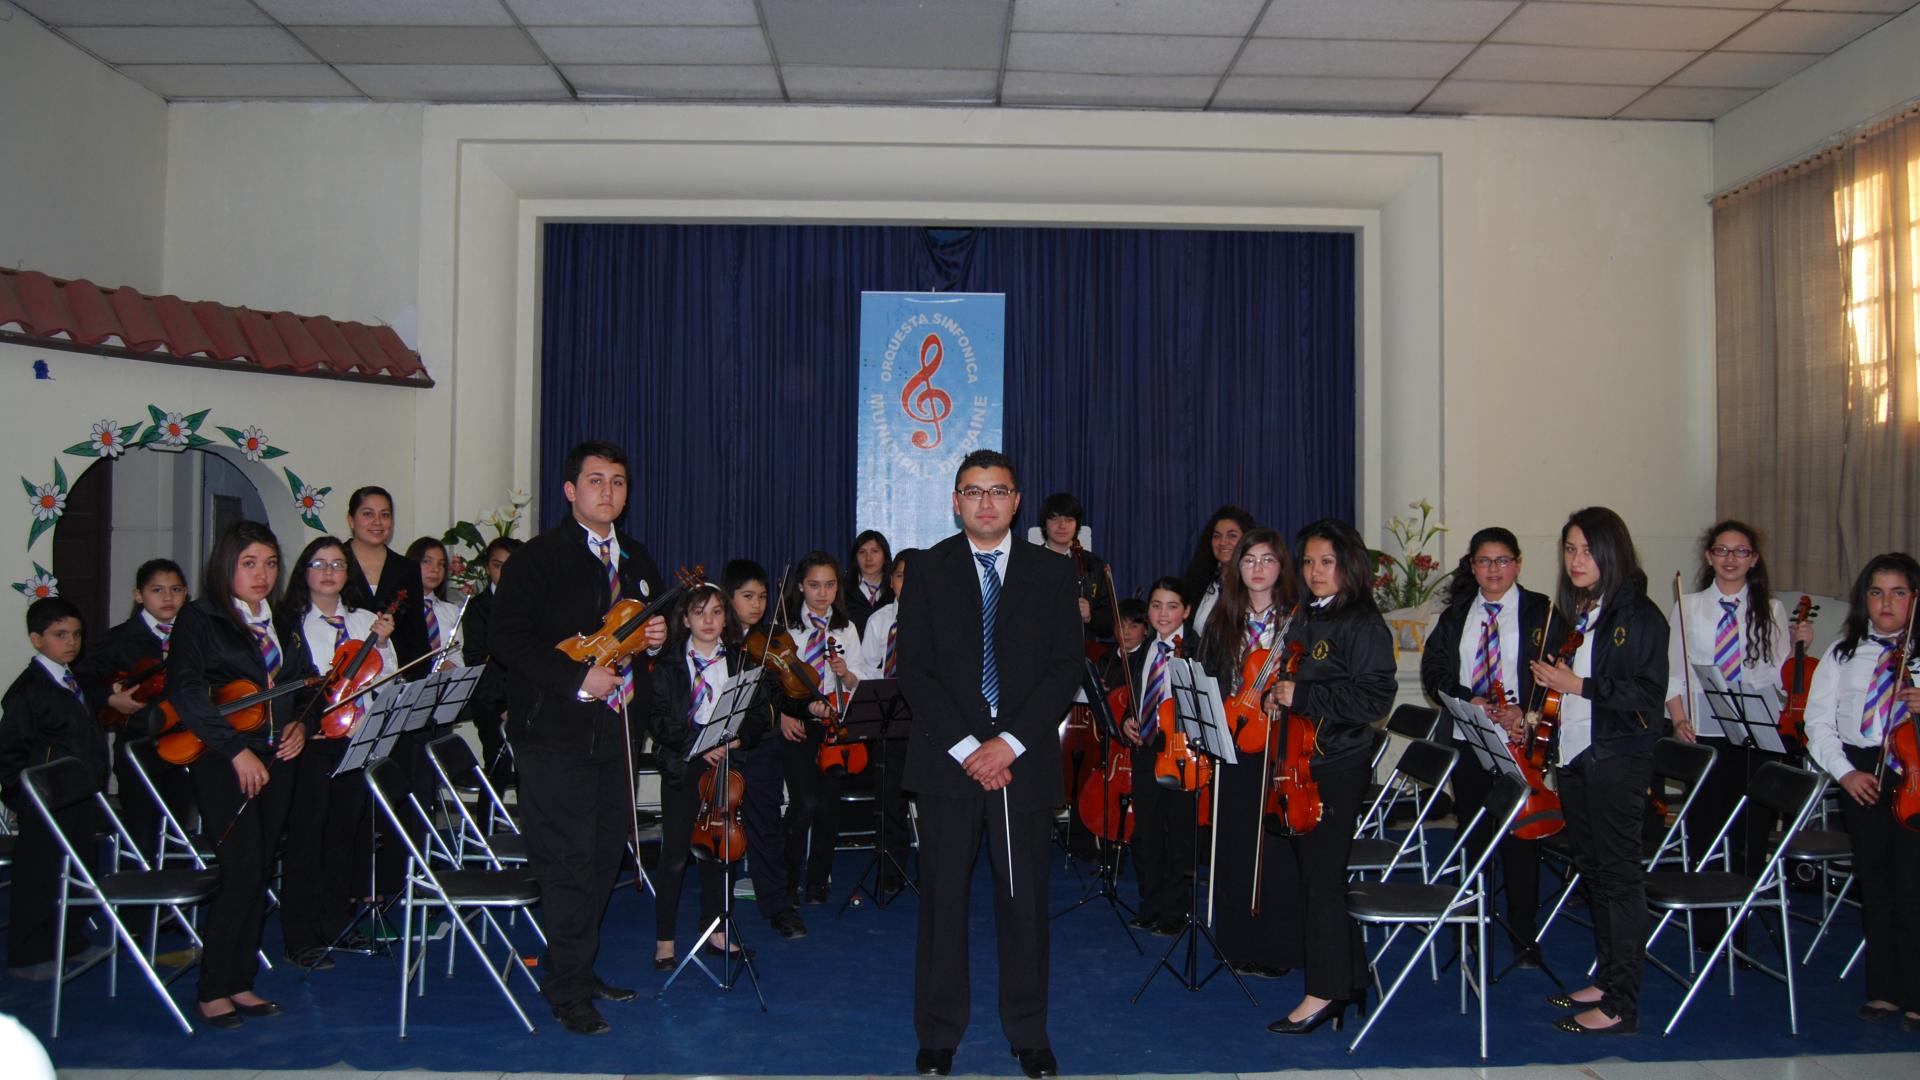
(1199, 709)
(373, 737)
(730, 710)
(446, 692)
(1746, 717)
(1486, 739)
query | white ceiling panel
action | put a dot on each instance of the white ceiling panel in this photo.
(670, 81)
(1321, 94)
(1685, 103)
(1385, 20)
(240, 81)
(190, 44)
(653, 44)
(1891, 7)
(1143, 91)
(1619, 26)
(811, 83)
(1548, 63)
(1227, 18)
(1752, 70)
(1121, 54)
(457, 82)
(635, 12)
(1294, 57)
(1803, 31)
(388, 12)
(1529, 99)
(1749, 5)
(954, 34)
(144, 12)
(429, 45)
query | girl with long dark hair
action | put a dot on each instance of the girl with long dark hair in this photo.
(1212, 560)
(828, 641)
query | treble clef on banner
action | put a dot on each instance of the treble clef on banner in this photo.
(923, 401)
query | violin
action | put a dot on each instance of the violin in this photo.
(1245, 716)
(1540, 816)
(717, 832)
(619, 636)
(849, 758)
(1900, 744)
(1543, 723)
(241, 703)
(775, 650)
(355, 664)
(146, 681)
(1797, 676)
(1178, 765)
(1292, 806)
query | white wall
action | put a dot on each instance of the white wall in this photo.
(83, 157)
(1876, 74)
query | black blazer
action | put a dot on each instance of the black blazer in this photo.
(1628, 684)
(552, 589)
(209, 651)
(1346, 680)
(1440, 662)
(1090, 581)
(856, 602)
(41, 721)
(673, 699)
(1038, 655)
(410, 622)
(489, 698)
(122, 649)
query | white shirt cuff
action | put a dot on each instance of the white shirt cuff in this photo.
(1018, 747)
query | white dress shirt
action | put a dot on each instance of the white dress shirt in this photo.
(321, 637)
(1576, 712)
(1005, 548)
(1507, 630)
(1701, 611)
(1836, 700)
(873, 644)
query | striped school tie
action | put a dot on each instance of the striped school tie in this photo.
(619, 699)
(269, 649)
(72, 684)
(1883, 708)
(1486, 660)
(339, 624)
(1156, 688)
(892, 665)
(816, 653)
(1726, 643)
(989, 611)
(433, 627)
(166, 637)
(702, 689)
(1257, 629)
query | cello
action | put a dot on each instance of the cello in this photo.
(1105, 798)
(1797, 676)
(1540, 816)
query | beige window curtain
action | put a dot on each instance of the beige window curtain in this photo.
(1815, 271)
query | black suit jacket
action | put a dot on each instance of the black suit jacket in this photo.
(1440, 662)
(856, 602)
(1038, 654)
(209, 651)
(410, 622)
(41, 721)
(551, 589)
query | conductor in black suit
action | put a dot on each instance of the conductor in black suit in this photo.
(978, 712)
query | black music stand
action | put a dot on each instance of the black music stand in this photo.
(877, 714)
(1200, 712)
(1106, 883)
(1488, 742)
(1745, 717)
(736, 702)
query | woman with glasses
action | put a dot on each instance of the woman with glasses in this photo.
(1492, 626)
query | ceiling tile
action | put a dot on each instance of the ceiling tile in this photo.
(653, 44)
(1388, 20)
(1750, 5)
(457, 82)
(190, 44)
(249, 81)
(692, 82)
(426, 45)
(635, 12)
(1144, 91)
(388, 12)
(1685, 103)
(1529, 99)
(1354, 59)
(1230, 18)
(807, 82)
(1617, 26)
(1321, 94)
(1549, 63)
(1756, 70)
(953, 34)
(1803, 31)
(1891, 7)
(144, 12)
(1121, 54)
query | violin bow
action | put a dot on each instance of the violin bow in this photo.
(1686, 655)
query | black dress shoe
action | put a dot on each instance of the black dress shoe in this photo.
(606, 991)
(259, 1009)
(581, 1018)
(816, 894)
(1144, 921)
(1169, 925)
(665, 963)
(789, 925)
(1037, 1063)
(1335, 1011)
(933, 1062)
(225, 1021)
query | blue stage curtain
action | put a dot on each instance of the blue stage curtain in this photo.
(1154, 373)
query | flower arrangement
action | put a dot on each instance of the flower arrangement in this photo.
(1409, 579)
(467, 570)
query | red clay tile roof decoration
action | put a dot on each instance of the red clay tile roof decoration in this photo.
(123, 322)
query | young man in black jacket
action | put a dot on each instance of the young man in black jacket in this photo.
(568, 720)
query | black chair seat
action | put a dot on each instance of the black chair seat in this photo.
(173, 885)
(1697, 888)
(501, 887)
(1394, 900)
(6, 850)
(1371, 853)
(508, 846)
(1816, 844)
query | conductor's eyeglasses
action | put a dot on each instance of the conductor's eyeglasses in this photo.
(974, 493)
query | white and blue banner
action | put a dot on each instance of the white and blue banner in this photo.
(932, 390)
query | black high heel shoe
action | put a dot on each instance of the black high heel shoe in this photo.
(1333, 1010)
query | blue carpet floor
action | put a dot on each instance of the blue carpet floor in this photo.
(840, 1002)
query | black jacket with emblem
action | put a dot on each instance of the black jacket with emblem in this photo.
(210, 650)
(1346, 677)
(1628, 683)
(1440, 660)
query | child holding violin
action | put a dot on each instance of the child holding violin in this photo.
(124, 657)
(1613, 692)
(1162, 817)
(1257, 599)
(245, 775)
(1344, 684)
(326, 822)
(743, 583)
(1859, 699)
(880, 659)
(1491, 627)
(687, 677)
(827, 642)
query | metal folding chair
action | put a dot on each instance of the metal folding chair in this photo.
(1779, 789)
(64, 783)
(1419, 776)
(1409, 722)
(497, 840)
